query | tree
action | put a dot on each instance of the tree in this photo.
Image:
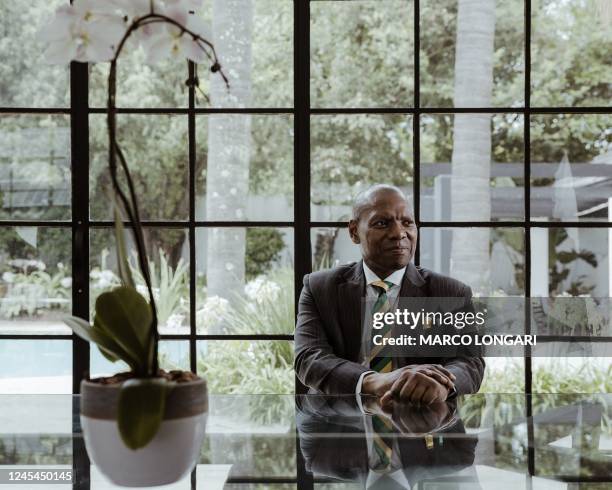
(229, 149)
(470, 196)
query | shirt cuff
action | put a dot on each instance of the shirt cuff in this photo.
(358, 390)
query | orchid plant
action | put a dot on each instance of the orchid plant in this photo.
(125, 323)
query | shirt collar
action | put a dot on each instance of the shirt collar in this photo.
(395, 278)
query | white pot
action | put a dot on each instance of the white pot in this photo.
(172, 453)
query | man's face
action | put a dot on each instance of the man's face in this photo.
(386, 233)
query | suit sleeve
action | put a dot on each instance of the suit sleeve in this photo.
(469, 367)
(315, 363)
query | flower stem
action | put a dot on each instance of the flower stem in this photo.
(131, 205)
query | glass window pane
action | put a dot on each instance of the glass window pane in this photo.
(244, 168)
(140, 84)
(570, 53)
(489, 260)
(259, 367)
(36, 366)
(156, 150)
(503, 375)
(35, 167)
(361, 53)
(172, 355)
(572, 374)
(464, 66)
(245, 281)
(26, 79)
(570, 167)
(472, 167)
(254, 435)
(570, 262)
(254, 42)
(332, 247)
(36, 280)
(168, 255)
(351, 152)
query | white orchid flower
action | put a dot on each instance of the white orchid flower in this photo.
(172, 40)
(85, 31)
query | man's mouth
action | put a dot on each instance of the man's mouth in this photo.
(399, 250)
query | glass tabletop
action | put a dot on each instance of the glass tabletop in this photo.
(542, 442)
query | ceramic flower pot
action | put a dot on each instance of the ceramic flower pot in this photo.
(172, 453)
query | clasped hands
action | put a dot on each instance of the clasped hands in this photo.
(417, 383)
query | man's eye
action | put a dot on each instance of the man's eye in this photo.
(408, 223)
(380, 222)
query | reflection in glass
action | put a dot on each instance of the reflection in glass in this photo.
(351, 152)
(460, 184)
(35, 167)
(570, 167)
(19, 85)
(570, 52)
(35, 366)
(254, 435)
(496, 46)
(244, 168)
(489, 260)
(35, 280)
(156, 149)
(168, 254)
(361, 53)
(245, 281)
(570, 262)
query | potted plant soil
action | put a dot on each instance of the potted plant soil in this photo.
(143, 427)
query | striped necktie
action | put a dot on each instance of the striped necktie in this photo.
(378, 363)
(383, 428)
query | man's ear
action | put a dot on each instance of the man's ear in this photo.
(352, 227)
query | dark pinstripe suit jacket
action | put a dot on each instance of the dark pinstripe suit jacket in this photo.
(328, 330)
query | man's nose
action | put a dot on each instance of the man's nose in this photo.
(397, 231)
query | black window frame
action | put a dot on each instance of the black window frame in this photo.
(81, 224)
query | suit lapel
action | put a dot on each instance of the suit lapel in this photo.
(351, 290)
(413, 284)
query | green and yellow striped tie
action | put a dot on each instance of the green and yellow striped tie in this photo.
(378, 363)
(383, 428)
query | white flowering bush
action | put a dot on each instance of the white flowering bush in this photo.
(29, 289)
(213, 314)
(261, 289)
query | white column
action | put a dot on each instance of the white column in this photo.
(539, 262)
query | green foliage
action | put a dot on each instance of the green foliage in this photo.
(34, 292)
(263, 249)
(170, 285)
(258, 367)
(559, 263)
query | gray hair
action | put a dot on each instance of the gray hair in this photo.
(363, 200)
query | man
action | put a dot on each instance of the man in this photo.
(329, 357)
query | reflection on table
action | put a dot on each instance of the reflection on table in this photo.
(540, 442)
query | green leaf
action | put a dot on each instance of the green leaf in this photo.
(108, 354)
(126, 317)
(125, 272)
(141, 407)
(102, 339)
